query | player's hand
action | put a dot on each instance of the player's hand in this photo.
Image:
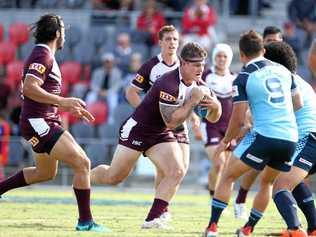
(71, 103)
(210, 101)
(197, 95)
(222, 146)
(82, 113)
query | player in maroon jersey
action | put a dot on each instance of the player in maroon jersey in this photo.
(41, 125)
(148, 130)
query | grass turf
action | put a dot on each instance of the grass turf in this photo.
(38, 212)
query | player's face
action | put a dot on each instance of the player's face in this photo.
(61, 38)
(272, 38)
(193, 70)
(221, 61)
(169, 43)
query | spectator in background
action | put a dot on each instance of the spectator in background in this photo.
(293, 40)
(106, 81)
(149, 23)
(4, 144)
(134, 65)
(312, 58)
(198, 24)
(5, 91)
(123, 52)
(271, 34)
(303, 14)
(113, 4)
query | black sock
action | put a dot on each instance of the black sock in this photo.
(286, 205)
(305, 202)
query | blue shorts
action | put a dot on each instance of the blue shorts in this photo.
(258, 151)
(305, 154)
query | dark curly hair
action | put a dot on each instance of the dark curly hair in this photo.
(46, 27)
(281, 53)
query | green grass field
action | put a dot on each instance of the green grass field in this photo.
(38, 212)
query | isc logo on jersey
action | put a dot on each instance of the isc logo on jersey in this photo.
(167, 97)
(38, 67)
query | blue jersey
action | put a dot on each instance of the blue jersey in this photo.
(268, 87)
(306, 116)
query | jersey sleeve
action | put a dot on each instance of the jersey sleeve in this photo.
(239, 92)
(40, 66)
(141, 80)
(168, 92)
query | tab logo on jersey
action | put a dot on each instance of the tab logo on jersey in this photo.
(167, 97)
(38, 67)
(235, 91)
(139, 78)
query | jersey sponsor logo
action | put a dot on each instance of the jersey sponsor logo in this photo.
(33, 141)
(139, 78)
(235, 91)
(167, 97)
(38, 67)
(306, 162)
(254, 158)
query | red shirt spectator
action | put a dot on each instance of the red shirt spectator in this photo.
(4, 144)
(198, 18)
(150, 20)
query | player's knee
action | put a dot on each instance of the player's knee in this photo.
(82, 162)
(176, 174)
(46, 175)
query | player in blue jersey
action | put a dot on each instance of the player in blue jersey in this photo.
(270, 34)
(268, 89)
(304, 161)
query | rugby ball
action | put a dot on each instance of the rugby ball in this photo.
(201, 111)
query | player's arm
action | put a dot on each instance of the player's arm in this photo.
(32, 89)
(132, 95)
(297, 98)
(236, 122)
(196, 124)
(174, 115)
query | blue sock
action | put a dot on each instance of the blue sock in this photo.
(286, 205)
(217, 209)
(254, 217)
(305, 202)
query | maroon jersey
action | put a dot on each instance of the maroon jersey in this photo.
(42, 65)
(170, 90)
(222, 87)
(151, 71)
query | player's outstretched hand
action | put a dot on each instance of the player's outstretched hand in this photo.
(82, 113)
(71, 103)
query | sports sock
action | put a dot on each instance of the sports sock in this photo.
(217, 209)
(14, 181)
(242, 195)
(254, 217)
(83, 202)
(157, 209)
(305, 202)
(286, 205)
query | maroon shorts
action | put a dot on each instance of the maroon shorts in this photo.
(182, 136)
(214, 135)
(140, 137)
(41, 134)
